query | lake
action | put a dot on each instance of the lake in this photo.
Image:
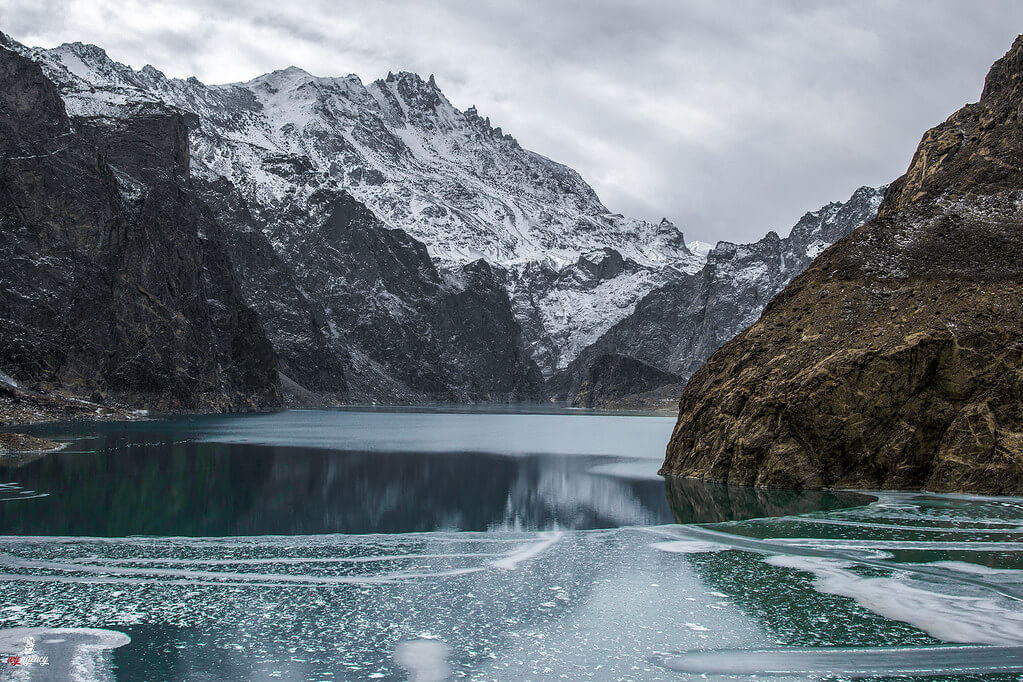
(523, 543)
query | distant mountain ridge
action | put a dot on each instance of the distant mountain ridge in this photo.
(678, 325)
(394, 248)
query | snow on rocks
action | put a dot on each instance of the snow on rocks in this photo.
(447, 177)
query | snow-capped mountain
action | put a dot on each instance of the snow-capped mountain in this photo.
(448, 178)
(395, 247)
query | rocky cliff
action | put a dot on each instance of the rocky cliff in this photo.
(359, 311)
(116, 281)
(896, 359)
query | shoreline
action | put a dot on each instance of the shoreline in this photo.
(21, 407)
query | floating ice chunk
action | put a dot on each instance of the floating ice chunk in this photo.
(926, 545)
(1004, 575)
(688, 547)
(916, 661)
(425, 660)
(511, 561)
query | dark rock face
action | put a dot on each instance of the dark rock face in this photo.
(309, 354)
(115, 276)
(359, 311)
(679, 324)
(895, 360)
(613, 377)
(409, 329)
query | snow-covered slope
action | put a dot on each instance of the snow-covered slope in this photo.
(699, 248)
(447, 177)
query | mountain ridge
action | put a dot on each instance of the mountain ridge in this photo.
(464, 188)
(420, 292)
(677, 326)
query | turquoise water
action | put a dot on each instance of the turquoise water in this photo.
(330, 545)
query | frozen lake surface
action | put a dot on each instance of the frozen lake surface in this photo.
(333, 545)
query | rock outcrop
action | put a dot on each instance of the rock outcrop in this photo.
(618, 380)
(116, 281)
(896, 359)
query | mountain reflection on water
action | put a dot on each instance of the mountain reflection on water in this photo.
(228, 476)
(695, 501)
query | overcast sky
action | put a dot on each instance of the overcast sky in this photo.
(729, 117)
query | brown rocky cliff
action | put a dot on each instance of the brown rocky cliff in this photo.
(896, 359)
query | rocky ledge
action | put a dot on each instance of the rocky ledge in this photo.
(896, 360)
(18, 449)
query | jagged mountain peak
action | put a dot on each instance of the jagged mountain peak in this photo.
(296, 77)
(152, 72)
(93, 64)
(975, 151)
(1005, 75)
(411, 78)
(411, 84)
(450, 179)
(85, 50)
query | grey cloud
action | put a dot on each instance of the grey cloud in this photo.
(730, 118)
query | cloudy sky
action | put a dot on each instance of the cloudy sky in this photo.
(729, 117)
